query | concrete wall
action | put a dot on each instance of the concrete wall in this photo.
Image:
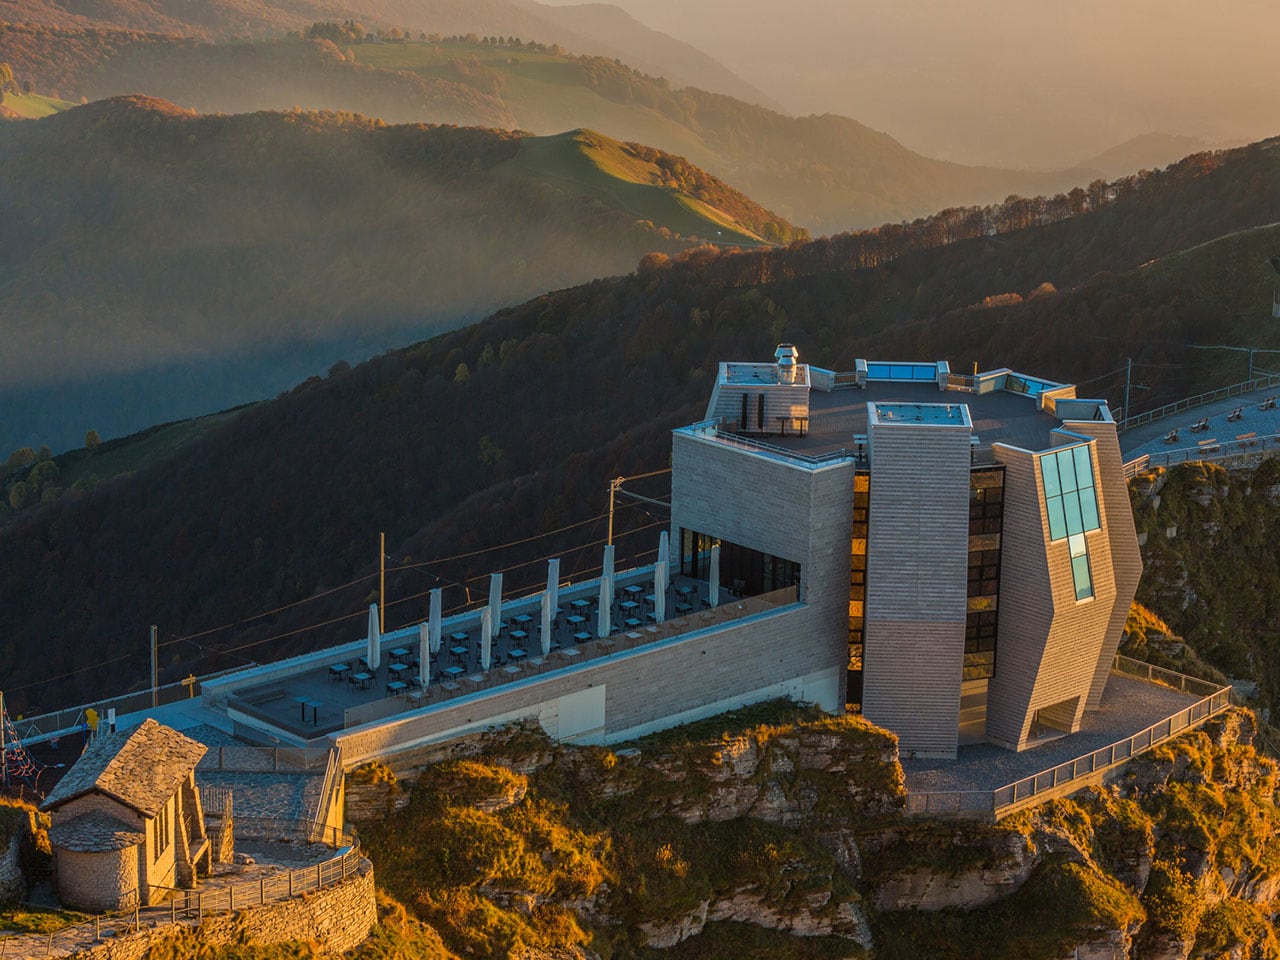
(917, 584)
(1050, 643)
(1126, 556)
(798, 651)
(336, 919)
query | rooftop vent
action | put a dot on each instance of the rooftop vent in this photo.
(786, 355)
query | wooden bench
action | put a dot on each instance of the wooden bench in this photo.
(1248, 439)
(1205, 443)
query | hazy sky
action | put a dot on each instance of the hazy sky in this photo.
(1007, 82)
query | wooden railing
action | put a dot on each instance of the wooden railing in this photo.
(1066, 777)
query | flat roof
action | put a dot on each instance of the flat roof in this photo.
(923, 414)
(997, 417)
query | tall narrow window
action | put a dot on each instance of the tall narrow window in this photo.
(1071, 505)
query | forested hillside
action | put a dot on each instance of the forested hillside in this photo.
(511, 428)
(826, 173)
(161, 264)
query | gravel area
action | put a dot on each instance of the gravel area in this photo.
(291, 796)
(1129, 706)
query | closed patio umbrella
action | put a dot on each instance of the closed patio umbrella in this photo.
(660, 575)
(424, 653)
(607, 572)
(546, 624)
(495, 598)
(605, 610)
(486, 638)
(553, 583)
(713, 587)
(664, 547)
(373, 656)
(433, 621)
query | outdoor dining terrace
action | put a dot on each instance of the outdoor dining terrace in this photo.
(309, 697)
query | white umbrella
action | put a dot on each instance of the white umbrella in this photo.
(664, 547)
(424, 653)
(553, 582)
(713, 587)
(607, 572)
(433, 621)
(495, 598)
(546, 624)
(605, 610)
(373, 656)
(660, 591)
(486, 638)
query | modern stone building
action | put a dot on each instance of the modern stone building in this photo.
(126, 820)
(964, 544)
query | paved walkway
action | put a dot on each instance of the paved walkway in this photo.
(1149, 438)
(1129, 706)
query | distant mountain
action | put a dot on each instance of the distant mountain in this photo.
(284, 500)
(826, 173)
(594, 28)
(1146, 151)
(157, 263)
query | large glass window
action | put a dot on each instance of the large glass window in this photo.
(902, 371)
(1071, 504)
(986, 517)
(744, 571)
(857, 588)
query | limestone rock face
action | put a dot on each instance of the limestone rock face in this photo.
(817, 918)
(926, 888)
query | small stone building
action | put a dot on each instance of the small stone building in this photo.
(127, 824)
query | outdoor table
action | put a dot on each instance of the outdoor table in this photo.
(397, 687)
(338, 670)
(361, 680)
(632, 622)
(399, 653)
(458, 651)
(511, 668)
(629, 605)
(582, 636)
(684, 608)
(684, 590)
(397, 669)
(460, 637)
(576, 620)
(649, 599)
(302, 706)
(632, 635)
(571, 651)
(634, 589)
(580, 604)
(454, 671)
(315, 706)
(519, 635)
(523, 619)
(517, 653)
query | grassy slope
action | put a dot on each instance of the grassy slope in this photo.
(32, 106)
(604, 169)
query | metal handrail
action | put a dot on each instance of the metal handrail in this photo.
(1012, 797)
(195, 905)
(711, 429)
(1267, 445)
(1199, 400)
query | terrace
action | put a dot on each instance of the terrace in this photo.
(301, 701)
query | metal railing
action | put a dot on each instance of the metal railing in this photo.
(719, 431)
(1058, 779)
(595, 649)
(247, 759)
(1199, 400)
(45, 725)
(194, 905)
(1267, 445)
(329, 791)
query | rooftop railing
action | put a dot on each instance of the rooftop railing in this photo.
(721, 431)
(1267, 445)
(1071, 775)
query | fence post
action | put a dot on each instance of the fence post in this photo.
(290, 884)
(231, 898)
(262, 890)
(200, 906)
(173, 910)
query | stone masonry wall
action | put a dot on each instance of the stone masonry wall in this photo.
(337, 918)
(12, 883)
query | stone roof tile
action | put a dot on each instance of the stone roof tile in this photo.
(94, 832)
(141, 768)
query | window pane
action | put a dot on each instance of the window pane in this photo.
(1071, 506)
(1089, 509)
(1057, 522)
(923, 372)
(1066, 470)
(1084, 465)
(1049, 471)
(1080, 573)
(1076, 545)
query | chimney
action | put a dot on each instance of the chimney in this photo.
(786, 355)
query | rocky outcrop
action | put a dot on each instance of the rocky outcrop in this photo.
(817, 918)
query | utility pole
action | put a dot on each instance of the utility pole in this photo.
(1128, 379)
(382, 582)
(155, 668)
(1252, 351)
(4, 757)
(614, 484)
